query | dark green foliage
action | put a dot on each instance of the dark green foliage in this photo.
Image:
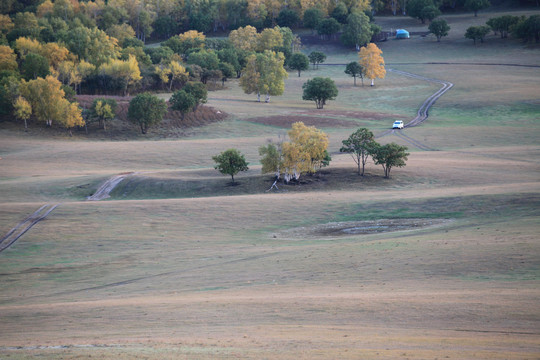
(270, 159)
(132, 42)
(360, 145)
(159, 54)
(230, 162)
(503, 24)
(164, 27)
(355, 70)
(476, 5)
(34, 66)
(288, 18)
(146, 110)
(299, 62)
(528, 29)
(430, 12)
(206, 59)
(389, 156)
(477, 33)
(319, 90)
(357, 32)
(328, 27)
(439, 28)
(198, 91)
(227, 71)
(316, 58)
(312, 18)
(183, 102)
(340, 13)
(230, 56)
(415, 8)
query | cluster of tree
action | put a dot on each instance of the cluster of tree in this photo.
(362, 145)
(430, 9)
(306, 152)
(521, 27)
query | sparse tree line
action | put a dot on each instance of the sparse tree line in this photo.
(521, 27)
(306, 151)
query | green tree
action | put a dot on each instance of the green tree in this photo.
(430, 12)
(287, 18)
(319, 90)
(357, 31)
(528, 29)
(264, 74)
(477, 33)
(299, 62)
(503, 24)
(312, 17)
(416, 7)
(389, 156)
(355, 70)
(476, 5)
(316, 58)
(270, 159)
(198, 91)
(183, 102)
(34, 66)
(439, 28)
(328, 27)
(146, 110)
(360, 145)
(230, 162)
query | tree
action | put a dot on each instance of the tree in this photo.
(439, 28)
(416, 7)
(48, 102)
(127, 71)
(312, 18)
(103, 110)
(476, 5)
(183, 102)
(389, 156)
(328, 27)
(23, 110)
(146, 110)
(299, 61)
(340, 12)
(477, 33)
(270, 159)
(198, 91)
(430, 12)
(360, 145)
(288, 18)
(244, 38)
(230, 162)
(503, 24)
(528, 29)
(8, 59)
(357, 31)
(306, 151)
(355, 70)
(269, 39)
(316, 58)
(319, 90)
(372, 61)
(264, 74)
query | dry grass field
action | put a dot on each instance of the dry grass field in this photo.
(439, 262)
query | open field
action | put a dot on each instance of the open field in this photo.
(178, 264)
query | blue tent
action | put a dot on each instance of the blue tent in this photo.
(402, 34)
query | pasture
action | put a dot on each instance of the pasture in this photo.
(179, 264)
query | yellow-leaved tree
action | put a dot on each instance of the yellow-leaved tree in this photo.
(48, 103)
(244, 38)
(372, 61)
(305, 152)
(128, 71)
(22, 110)
(25, 45)
(8, 59)
(269, 39)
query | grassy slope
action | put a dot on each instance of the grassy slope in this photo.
(205, 277)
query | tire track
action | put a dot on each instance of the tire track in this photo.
(412, 141)
(25, 225)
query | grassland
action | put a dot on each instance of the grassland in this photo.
(179, 264)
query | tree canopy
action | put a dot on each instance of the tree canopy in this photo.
(360, 145)
(320, 90)
(230, 162)
(299, 62)
(389, 156)
(372, 61)
(439, 28)
(146, 110)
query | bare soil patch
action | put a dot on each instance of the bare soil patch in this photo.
(348, 228)
(321, 118)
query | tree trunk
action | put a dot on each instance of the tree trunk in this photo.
(267, 98)
(232, 177)
(372, 82)
(298, 72)
(354, 80)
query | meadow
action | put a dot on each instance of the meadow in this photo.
(178, 263)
